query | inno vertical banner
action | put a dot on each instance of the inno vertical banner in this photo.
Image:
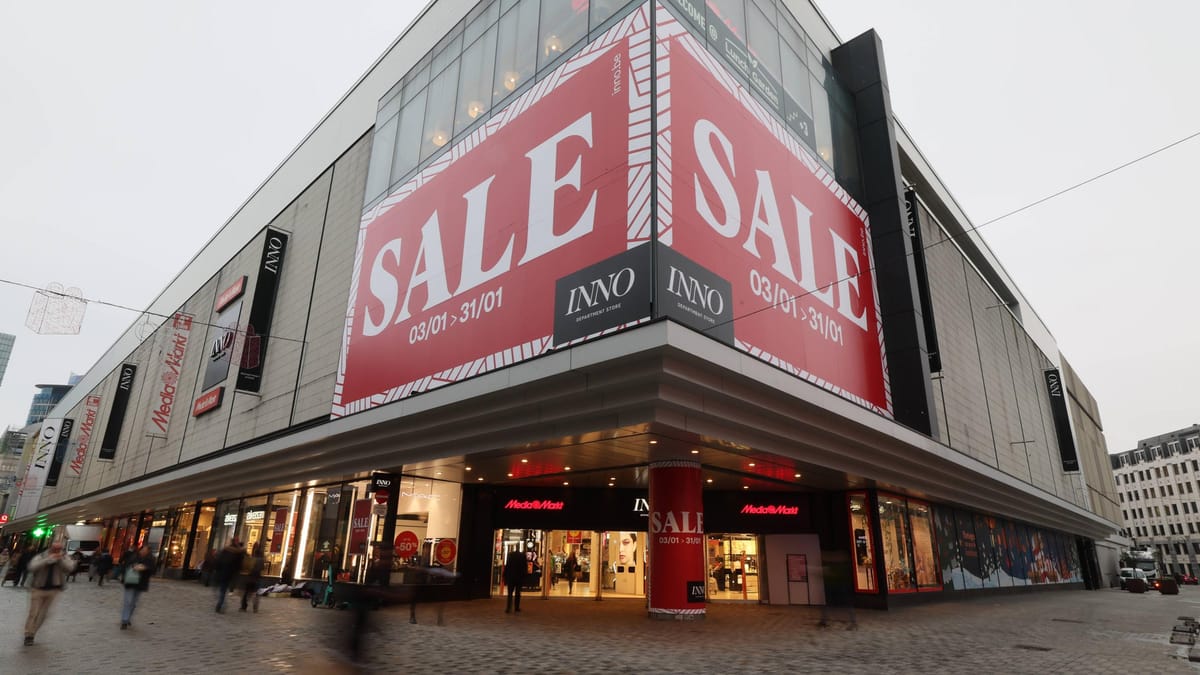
(60, 451)
(262, 307)
(116, 416)
(1062, 422)
(35, 475)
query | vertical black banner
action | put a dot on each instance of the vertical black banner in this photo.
(60, 452)
(1062, 422)
(918, 248)
(262, 308)
(116, 416)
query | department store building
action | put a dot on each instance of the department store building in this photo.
(663, 286)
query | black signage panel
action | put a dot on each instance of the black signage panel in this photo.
(611, 293)
(262, 309)
(221, 345)
(116, 415)
(1062, 421)
(695, 591)
(60, 452)
(694, 296)
(918, 248)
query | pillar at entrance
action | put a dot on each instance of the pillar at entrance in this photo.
(677, 569)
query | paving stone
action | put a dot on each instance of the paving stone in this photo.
(176, 631)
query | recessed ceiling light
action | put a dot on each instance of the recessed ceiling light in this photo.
(799, 476)
(510, 475)
(566, 483)
(653, 442)
(613, 478)
(468, 468)
(438, 473)
(745, 487)
(709, 480)
(695, 452)
(566, 468)
(480, 478)
(752, 464)
(524, 461)
(611, 484)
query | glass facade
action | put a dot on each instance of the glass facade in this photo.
(909, 554)
(861, 528)
(503, 46)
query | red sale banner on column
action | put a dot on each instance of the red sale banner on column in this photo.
(278, 531)
(751, 211)
(457, 272)
(677, 570)
(360, 526)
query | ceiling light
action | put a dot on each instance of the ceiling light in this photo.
(480, 478)
(752, 464)
(653, 442)
(438, 473)
(566, 468)
(474, 108)
(510, 475)
(695, 452)
(439, 138)
(611, 484)
(524, 461)
(566, 483)
(468, 468)
(745, 487)
(709, 480)
(510, 80)
(798, 476)
(613, 478)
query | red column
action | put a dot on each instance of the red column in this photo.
(677, 570)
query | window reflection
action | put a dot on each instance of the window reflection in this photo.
(439, 110)
(562, 24)
(408, 137)
(864, 548)
(893, 524)
(475, 90)
(516, 49)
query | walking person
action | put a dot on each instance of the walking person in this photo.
(22, 566)
(252, 573)
(571, 568)
(839, 588)
(228, 563)
(47, 570)
(104, 565)
(515, 569)
(136, 579)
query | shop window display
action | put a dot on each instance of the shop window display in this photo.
(864, 549)
(180, 526)
(203, 543)
(924, 556)
(898, 563)
(733, 566)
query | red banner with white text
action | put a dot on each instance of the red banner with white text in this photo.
(458, 271)
(748, 209)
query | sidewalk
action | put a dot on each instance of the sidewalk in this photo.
(175, 630)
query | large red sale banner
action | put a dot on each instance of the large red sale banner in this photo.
(749, 206)
(456, 271)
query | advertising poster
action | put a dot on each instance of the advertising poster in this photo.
(751, 213)
(457, 272)
(360, 526)
(971, 565)
(987, 552)
(91, 409)
(948, 553)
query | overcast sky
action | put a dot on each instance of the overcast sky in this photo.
(130, 131)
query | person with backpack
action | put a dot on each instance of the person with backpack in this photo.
(252, 569)
(229, 562)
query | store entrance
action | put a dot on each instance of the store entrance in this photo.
(733, 567)
(574, 563)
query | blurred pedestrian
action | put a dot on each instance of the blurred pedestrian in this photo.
(253, 568)
(208, 566)
(136, 579)
(366, 597)
(228, 563)
(515, 568)
(22, 564)
(839, 588)
(48, 570)
(571, 569)
(103, 565)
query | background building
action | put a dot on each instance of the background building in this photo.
(12, 446)
(47, 396)
(584, 278)
(1159, 489)
(6, 347)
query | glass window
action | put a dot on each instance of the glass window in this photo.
(181, 526)
(225, 526)
(731, 14)
(822, 126)
(864, 549)
(479, 20)
(893, 525)
(603, 10)
(764, 37)
(280, 532)
(797, 101)
(969, 549)
(562, 25)
(475, 87)
(516, 49)
(204, 541)
(925, 564)
(948, 549)
(408, 138)
(439, 111)
(447, 51)
(378, 176)
(415, 80)
(254, 517)
(845, 144)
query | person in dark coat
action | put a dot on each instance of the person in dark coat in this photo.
(229, 563)
(252, 577)
(136, 579)
(515, 569)
(571, 570)
(22, 566)
(104, 565)
(208, 567)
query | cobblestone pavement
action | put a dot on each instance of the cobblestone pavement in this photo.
(175, 630)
